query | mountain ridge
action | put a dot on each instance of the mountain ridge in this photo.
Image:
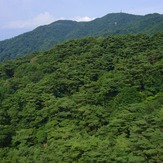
(44, 37)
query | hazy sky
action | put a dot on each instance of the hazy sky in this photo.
(19, 16)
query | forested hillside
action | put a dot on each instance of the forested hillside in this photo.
(45, 37)
(97, 99)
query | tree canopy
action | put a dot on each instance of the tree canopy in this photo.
(96, 99)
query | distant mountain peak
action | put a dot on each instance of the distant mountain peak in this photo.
(45, 37)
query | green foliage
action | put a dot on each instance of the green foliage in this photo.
(97, 99)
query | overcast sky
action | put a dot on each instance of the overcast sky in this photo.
(19, 16)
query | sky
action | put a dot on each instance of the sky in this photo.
(19, 16)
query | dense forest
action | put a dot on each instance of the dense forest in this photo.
(96, 99)
(45, 37)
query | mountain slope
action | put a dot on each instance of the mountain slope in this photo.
(90, 100)
(44, 37)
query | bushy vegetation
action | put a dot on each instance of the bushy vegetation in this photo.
(45, 37)
(89, 100)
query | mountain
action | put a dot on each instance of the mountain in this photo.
(45, 37)
(96, 99)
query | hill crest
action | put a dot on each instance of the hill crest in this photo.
(45, 37)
